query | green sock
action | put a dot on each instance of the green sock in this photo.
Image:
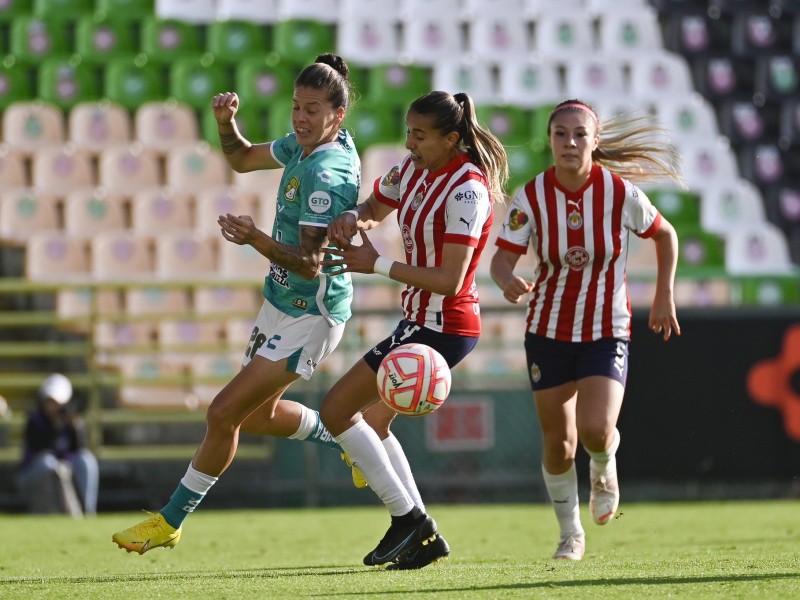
(181, 503)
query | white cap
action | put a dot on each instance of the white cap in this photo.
(57, 387)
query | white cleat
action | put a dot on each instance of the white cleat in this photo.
(604, 497)
(571, 547)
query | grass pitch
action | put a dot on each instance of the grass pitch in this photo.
(688, 550)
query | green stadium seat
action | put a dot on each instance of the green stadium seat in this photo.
(16, 82)
(511, 124)
(195, 80)
(301, 40)
(370, 124)
(99, 39)
(164, 40)
(67, 80)
(234, 41)
(397, 85)
(124, 10)
(258, 80)
(539, 119)
(680, 207)
(279, 121)
(770, 291)
(699, 251)
(33, 39)
(525, 163)
(10, 10)
(62, 10)
(133, 80)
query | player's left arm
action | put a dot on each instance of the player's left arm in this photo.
(663, 317)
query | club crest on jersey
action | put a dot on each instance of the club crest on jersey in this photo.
(576, 258)
(517, 218)
(574, 220)
(416, 201)
(290, 193)
(392, 177)
(408, 241)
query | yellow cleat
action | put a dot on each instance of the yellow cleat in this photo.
(358, 476)
(151, 533)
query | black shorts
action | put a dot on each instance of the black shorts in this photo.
(553, 362)
(451, 346)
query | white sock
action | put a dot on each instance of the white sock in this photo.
(365, 449)
(605, 462)
(402, 468)
(308, 423)
(563, 491)
(196, 481)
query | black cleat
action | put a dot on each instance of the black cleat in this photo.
(399, 539)
(424, 553)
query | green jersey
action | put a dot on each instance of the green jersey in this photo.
(313, 191)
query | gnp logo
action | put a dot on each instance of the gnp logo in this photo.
(775, 382)
(577, 258)
(319, 201)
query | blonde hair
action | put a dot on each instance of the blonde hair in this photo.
(631, 145)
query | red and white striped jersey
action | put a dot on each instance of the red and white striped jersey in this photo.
(449, 206)
(580, 293)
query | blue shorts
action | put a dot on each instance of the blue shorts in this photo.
(451, 346)
(553, 362)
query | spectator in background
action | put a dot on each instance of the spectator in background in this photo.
(577, 216)
(58, 473)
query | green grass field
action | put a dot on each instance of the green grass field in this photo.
(687, 550)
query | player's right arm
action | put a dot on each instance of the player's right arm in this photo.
(242, 155)
(344, 227)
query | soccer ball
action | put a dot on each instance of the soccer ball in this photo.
(413, 380)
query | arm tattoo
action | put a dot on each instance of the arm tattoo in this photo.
(303, 259)
(230, 142)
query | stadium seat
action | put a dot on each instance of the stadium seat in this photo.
(789, 126)
(95, 126)
(372, 124)
(595, 78)
(324, 11)
(708, 164)
(128, 169)
(13, 170)
(122, 256)
(498, 36)
(759, 249)
(530, 82)
(700, 251)
(721, 77)
(161, 208)
(601, 8)
(9, 11)
(688, 118)
(227, 300)
(524, 163)
(189, 11)
(164, 40)
(62, 168)
(133, 80)
(141, 390)
(16, 82)
(782, 205)
(768, 164)
(100, 39)
(117, 340)
(778, 76)
(261, 12)
(508, 122)
(252, 121)
(24, 212)
(693, 33)
(759, 32)
(241, 263)
(427, 39)
(163, 125)
(300, 40)
(184, 334)
(731, 205)
(213, 366)
(540, 116)
(562, 34)
(31, 126)
(210, 203)
(659, 75)
(143, 300)
(185, 255)
(67, 80)
(476, 78)
(397, 85)
(195, 167)
(369, 37)
(679, 207)
(56, 256)
(193, 80)
(33, 39)
(234, 41)
(130, 11)
(265, 184)
(630, 28)
(88, 211)
(769, 291)
(261, 82)
(61, 10)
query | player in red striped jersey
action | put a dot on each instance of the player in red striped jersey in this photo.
(578, 215)
(443, 192)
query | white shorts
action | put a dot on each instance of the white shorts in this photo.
(305, 340)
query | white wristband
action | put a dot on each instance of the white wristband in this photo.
(383, 265)
(353, 212)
